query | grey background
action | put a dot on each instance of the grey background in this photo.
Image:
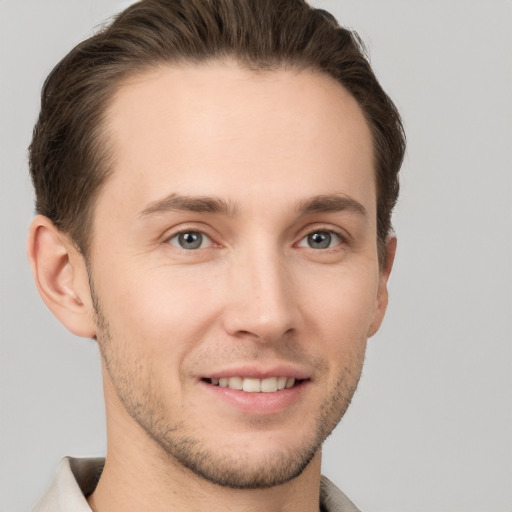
(430, 426)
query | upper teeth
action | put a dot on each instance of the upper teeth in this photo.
(252, 385)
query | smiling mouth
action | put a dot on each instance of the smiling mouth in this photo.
(254, 385)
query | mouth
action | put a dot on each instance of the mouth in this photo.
(255, 385)
(260, 392)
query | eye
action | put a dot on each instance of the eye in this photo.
(320, 240)
(190, 240)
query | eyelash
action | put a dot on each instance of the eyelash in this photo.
(189, 231)
(343, 240)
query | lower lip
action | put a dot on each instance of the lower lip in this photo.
(258, 403)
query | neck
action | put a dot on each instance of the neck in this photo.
(134, 482)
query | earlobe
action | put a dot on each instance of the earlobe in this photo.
(382, 291)
(60, 275)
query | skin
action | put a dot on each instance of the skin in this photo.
(278, 156)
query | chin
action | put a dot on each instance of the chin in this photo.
(242, 468)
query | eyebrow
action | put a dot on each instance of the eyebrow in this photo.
(331, 203)
(199, 204)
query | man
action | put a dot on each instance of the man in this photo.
(214, 184)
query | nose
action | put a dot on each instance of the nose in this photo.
(262, 304)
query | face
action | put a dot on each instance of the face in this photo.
(234, 266)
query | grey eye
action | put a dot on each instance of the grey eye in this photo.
(190, 240)
(320, 240)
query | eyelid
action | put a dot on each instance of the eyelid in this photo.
(189, 228)
(304, 242)
(345, 238)
(205, 239)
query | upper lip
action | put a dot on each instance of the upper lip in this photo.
(255, 372)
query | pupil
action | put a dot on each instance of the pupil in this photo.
(320, 240)
(190, 240)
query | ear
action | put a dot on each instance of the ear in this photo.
(60, 274)
(382, 291)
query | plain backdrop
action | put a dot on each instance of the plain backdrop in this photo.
(430, 426)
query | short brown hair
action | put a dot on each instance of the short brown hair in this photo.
(69, 153)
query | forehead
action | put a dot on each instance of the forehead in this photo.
(219, 129)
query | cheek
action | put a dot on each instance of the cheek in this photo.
(340, 321)
(341, 305)
(163, 306)
(159, 307)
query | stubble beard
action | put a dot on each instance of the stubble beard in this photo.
(139, 395)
